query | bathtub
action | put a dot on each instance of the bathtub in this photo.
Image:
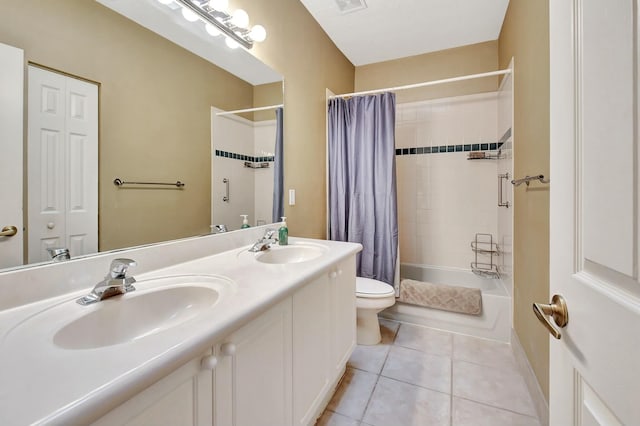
(494, 322)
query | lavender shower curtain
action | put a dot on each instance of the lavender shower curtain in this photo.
(277, 210)
(362, 181)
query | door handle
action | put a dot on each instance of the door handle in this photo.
(8, 231)
(556, 309)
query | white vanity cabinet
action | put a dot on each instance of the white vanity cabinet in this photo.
(182, 398)
(311, 348)
(252, 381)
(280, 369)
(324, 335)
(342, 281)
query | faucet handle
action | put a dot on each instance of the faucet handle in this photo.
(221, 228)
(58, 253)
(268, 234)
(119, 267)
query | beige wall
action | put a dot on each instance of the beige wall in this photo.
(298, 48)
(525, 36)
(155, 100)
(472, 59)
(266, 95)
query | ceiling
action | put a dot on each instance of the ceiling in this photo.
(392, 29)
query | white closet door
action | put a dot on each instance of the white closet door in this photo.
(82, 167)
(62, 164)
(11, 134)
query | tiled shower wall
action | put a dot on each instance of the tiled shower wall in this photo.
(265, 141)
(443, 198)
(236, 140)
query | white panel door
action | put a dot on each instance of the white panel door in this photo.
(595, 366)
(62, 164)
(11, 139)
(81, 177)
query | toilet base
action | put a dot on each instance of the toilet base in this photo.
(368, 327)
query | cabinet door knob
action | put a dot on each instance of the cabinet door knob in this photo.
(333, 274)
(209, 362)
(228, 349)
(51, 225)
(339, 271)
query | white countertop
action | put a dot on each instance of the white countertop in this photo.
(41, 382)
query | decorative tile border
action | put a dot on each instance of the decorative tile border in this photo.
(449, 148)
(242, 157)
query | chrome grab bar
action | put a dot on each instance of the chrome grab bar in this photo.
(120, 182)
(527, 179)
(226, 197)
(8, 231)
(501, 202)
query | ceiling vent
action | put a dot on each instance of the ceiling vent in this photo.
(348, 6)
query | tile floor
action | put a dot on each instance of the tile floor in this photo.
(421, 376)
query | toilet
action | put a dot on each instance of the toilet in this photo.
(372, 296)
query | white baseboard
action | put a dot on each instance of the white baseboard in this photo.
(539, 401)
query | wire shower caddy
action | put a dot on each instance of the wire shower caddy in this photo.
(485, 249)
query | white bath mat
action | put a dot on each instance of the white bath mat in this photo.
(445, 297)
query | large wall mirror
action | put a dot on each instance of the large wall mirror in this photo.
(148, 85)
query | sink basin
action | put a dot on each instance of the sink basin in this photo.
(157, 305)
(295, 253)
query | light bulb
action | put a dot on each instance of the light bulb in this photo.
(231, 43)
(240, 18)
(165, 1)
(258, 33)
(219, 5)
(189, 15)
(212, 30)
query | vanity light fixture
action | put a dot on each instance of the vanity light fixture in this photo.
(235, 26)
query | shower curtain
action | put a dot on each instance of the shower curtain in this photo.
(277, 210)
(362, 181)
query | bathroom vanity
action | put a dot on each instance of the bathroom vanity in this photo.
(212, 335)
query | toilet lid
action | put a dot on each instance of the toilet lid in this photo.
(367, 287)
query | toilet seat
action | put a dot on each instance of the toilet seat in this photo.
(373, 289)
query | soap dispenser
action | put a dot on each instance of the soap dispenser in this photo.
(283, 233)
(245, 221)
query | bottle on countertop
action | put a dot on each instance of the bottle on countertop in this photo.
(283, 233)
(245, 221)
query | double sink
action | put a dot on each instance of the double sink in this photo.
(157, 305)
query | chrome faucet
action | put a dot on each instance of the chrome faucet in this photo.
(58, 254)
(265, 242)
(116, 282)
(221, 228)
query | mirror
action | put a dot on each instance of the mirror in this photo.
(155, 98)
(244, 166)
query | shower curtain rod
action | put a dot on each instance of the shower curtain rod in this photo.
(428, 83)
(250, 109)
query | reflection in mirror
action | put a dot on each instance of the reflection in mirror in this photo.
(156, 82)
(247, 161)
